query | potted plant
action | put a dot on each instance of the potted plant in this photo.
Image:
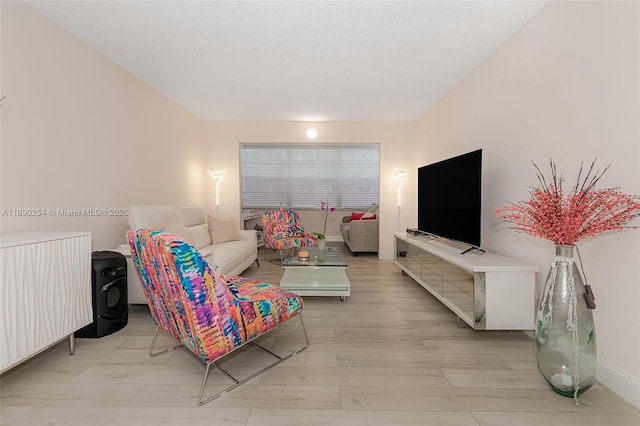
(322, 241)
(565, 332)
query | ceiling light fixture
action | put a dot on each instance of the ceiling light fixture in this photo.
(312, 134)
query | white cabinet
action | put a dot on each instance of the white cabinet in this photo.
(486, 290)
(45, 291)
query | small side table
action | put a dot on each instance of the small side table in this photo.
(317, 276)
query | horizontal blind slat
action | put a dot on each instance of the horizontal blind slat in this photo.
(300, 176)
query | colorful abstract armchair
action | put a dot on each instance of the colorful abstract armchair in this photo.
(210, 315)
(283, 230)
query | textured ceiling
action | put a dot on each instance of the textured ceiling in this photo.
(296, 61)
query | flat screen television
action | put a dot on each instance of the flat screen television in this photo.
(449, 198)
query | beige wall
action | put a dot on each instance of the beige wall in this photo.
(566, 86)
(78, 131)
(395, 139)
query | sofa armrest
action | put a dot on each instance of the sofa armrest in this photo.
(346, 219)
(364, 235)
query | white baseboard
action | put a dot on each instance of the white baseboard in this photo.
(625, 386)
(383, 255)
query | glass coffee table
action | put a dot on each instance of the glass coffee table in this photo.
(323, 274)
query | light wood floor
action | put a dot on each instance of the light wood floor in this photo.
(389, 354)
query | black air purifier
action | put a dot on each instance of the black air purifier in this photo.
(109, 294)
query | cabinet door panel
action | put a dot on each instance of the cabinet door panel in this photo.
(414, 261)
(432, 271)
(432, 262)
(460, 278)
(458, 297)
(458, 287)
(401, 252)
(432, 279)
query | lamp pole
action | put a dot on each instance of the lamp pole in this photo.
(217, 176)
(399, 176)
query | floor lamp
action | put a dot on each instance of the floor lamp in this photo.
(217, 176)
(399, 176)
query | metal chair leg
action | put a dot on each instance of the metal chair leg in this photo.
(153, 342)
(239, 382)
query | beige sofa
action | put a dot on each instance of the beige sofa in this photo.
(226, 258)
(361, 235)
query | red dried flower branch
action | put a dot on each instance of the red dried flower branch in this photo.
(582, 213)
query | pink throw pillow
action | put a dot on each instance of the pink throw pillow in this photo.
(362, 216)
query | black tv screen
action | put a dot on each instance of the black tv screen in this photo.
(449, 198)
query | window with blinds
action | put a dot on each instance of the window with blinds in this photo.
(301, 175)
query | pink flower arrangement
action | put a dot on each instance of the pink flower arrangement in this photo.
(324, 206)
(566, 219)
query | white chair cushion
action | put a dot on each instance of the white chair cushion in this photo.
(201, 235)
(222, 230)
(191, 215)
(208, 256)
(224, 258)
(154, 217)
(177, 228)
(246, 248)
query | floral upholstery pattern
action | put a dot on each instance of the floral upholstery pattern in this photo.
(209, 314)
(263, 305)
(283, 230)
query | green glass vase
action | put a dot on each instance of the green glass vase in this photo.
(565, 332)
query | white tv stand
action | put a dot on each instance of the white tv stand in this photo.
(486, 290)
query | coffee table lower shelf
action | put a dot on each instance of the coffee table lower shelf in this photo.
(317, 281)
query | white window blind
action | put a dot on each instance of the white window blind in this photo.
(301, 175)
